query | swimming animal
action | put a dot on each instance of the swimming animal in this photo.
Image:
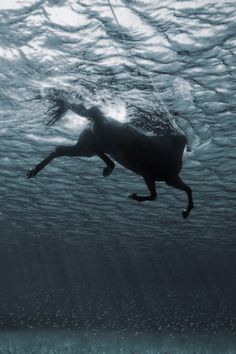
(155, 158)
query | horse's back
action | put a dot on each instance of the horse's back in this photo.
(170, 144)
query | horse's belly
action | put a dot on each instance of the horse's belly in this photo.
(159, 168)
(129, 162)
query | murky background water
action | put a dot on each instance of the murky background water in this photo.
(75, 251)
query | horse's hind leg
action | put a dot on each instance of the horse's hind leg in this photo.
(59, 151)
(179, 184)
(152, 188)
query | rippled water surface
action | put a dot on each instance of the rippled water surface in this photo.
(75, 251)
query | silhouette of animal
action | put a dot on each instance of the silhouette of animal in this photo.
(155, 158)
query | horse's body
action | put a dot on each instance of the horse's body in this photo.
(155, 158)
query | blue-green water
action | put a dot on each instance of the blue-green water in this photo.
(76, 253)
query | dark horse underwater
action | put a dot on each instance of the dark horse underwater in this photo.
(155, 158)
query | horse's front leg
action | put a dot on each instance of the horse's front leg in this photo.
(59, 151)
(109, 164)
(152, 189)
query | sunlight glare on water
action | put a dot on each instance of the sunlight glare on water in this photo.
(66, 17)
(15, 4)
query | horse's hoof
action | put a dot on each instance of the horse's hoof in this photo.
(133, 196)
(106, 171)
(185, 213)
(31, 173)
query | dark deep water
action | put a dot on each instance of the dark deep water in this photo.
(76, 254)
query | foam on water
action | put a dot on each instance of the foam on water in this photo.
(74, 122)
